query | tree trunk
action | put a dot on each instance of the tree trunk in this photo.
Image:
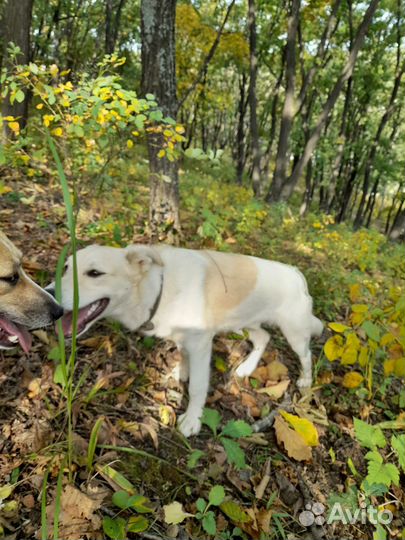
(202, 74)
(240, 134)
(398, 227)
(16, 25)
(159, 79)
(254, 129)
(332, 98)
(358, 222)
(112, 24)
(288, 108)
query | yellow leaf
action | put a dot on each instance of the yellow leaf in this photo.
(167, 133)
(130, 143)
(179, 129)
(161, 153)
(349, 356)
(165, 414)
(353, 379)
(338, 327)
(359, 308)
(292, 441)
(387, 339)
(14, 126)
(354, 292)
(6, 491)
(357, 318)
(363, 356)
(399, 368)
(174, 513)
(304, 427)
(333, 348)
(389, 366)
(40, 106)
(276, 391)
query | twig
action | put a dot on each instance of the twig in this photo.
(268, 421)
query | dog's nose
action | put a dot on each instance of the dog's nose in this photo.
(56, 311)
(51, 290)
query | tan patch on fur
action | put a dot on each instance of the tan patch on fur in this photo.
(10, 256)
(230, 279)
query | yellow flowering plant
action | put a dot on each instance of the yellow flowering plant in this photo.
(94, 120)
(374, 340)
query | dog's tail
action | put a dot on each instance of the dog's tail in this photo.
(316, 326)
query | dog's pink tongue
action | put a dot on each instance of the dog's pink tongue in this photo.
(24, 337)
(66, 321)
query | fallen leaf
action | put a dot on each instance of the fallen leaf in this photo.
(174, 513)
(304, 427)
(275, 391)
(352, 379)
(292, 441)
(276, 370)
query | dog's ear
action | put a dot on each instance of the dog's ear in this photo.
(143, 256)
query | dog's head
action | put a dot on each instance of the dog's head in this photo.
(108, 279)
(23, 304)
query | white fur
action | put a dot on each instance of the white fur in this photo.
(132, 282)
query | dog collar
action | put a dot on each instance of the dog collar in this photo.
(148, 324)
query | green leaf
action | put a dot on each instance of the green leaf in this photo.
(79, 131)
(234, 452)
(379, 472)
(20, 96)
(120, 499)
(236, 429)
(54, 353)
(398, 444)
(380, 533)
(137, 524)
(234, 512)
(140, 503)
(216, 495)
(209, 523)
(211, 418)
(58, 376)
(369, 436)
(193, 458)
(372, 330)
(114, 527)
(373, 490)
(201, 504)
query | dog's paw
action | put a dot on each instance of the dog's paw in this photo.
(243, 370)
(304, 383)
(189, 424)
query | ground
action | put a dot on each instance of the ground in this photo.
(126, 381)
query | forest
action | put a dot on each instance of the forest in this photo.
(271, 129)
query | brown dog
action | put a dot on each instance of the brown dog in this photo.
(23, 304)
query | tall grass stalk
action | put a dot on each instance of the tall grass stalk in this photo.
(67, 364)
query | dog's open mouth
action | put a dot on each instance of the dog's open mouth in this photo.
(12, 334)
(85, 316)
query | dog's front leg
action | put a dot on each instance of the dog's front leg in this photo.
(198, 351)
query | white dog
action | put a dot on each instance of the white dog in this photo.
(188, 296)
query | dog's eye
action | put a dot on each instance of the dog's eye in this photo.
(94, 273)
(11, 280)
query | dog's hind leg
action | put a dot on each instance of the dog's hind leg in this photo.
(299, 339)
(181, 371)
(259, 339)
(198, 350)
